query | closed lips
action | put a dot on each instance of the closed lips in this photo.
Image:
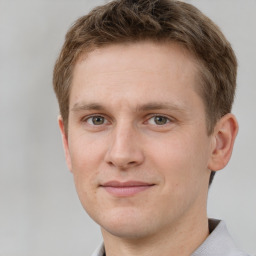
(126, 184)
(124, 189)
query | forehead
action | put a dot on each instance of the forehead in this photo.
(150, 55)
(119, 70)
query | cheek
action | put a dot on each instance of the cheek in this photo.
(85, 152)
(85, 158)
(85, 173)
(183, 170)
(182, 161)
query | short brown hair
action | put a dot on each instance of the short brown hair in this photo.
(123, 21)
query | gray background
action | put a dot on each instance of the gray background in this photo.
(40, 213)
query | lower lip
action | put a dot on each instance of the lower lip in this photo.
(126, 191)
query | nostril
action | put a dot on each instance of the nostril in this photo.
(132, 163)
(110, 163)
(121, 164)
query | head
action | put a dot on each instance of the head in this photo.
(159, 21)
(145, 90)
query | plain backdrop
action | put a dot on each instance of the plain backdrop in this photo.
(40, 213)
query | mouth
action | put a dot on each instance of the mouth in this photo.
(126, 189)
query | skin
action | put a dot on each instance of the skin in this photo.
(135, 115)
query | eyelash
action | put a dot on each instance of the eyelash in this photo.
(167, 119)
(94, 116)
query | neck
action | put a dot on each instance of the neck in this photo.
(181, 239)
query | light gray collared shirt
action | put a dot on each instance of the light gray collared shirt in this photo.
(218, 243)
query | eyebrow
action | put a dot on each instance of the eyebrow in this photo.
(140, 108)
(84, 106)
(160, 106)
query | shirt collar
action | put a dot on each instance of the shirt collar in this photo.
(100, 251)
(219, 242)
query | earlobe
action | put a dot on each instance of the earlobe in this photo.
(65, 142)
(223, 141)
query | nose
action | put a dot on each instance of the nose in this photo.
(125, 150)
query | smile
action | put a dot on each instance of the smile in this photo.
(125, 189)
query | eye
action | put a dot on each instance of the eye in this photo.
(96, 120)
(158, 120)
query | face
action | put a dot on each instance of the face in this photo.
(137, 141)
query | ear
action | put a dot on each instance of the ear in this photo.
(223, 137)
(65, 142)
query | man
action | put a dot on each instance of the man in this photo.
(145, 90)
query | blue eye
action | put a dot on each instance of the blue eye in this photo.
(159, 120)
(96, 120)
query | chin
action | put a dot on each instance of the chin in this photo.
(125, 231)
(125, 224)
